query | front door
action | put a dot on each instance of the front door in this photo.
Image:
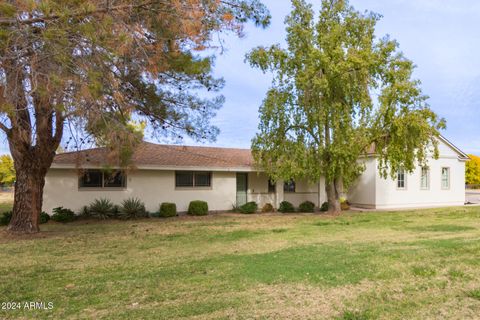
(242, 186)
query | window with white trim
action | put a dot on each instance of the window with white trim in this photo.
(445, 178)
(401, 179)
(425, 178)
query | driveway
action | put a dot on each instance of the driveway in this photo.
(472, 196)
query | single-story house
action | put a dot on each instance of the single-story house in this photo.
(224, 177)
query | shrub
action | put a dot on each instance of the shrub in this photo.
(324, 207)
(155, 214)
(85, 212)
(5, 218)
(168, 210)
(64, 215)
(306, 206)
(102, 209)
(286, 207)
(249, 207)
(198, 208)
(133, 208)
(267, 208)
(44, 217)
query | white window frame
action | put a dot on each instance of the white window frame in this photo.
(448, 177)
(404, 179)
(427, 186)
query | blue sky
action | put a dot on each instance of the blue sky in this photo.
(440, 36)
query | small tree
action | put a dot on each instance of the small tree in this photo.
(7, 170)
(472, 170)
(100, 67)
(337, 92)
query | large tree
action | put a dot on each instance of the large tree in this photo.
(337, 93)
(472, 170)
(101, 67)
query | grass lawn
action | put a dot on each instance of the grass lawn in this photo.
(396, 265)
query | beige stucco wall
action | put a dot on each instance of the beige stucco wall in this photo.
(305, 191)
(362, 193)
(373, 191)
(258, 189)
(151, 186)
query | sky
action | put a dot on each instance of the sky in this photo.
(440, 36)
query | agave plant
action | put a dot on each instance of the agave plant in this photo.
(102, 209)
(133, 208)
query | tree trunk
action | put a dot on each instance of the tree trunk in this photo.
(333, 197)
(28, 199)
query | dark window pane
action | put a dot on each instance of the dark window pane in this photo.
(114, 179)
(202, 179)
(289, 186)
(271, 186)
(91, 179)
(184, 179)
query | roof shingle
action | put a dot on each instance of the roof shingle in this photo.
(157, 155)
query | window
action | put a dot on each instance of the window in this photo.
(425, 179)
(445, 178)
(202, 179)
(115, 179)
(271, 186)
(289, 186)
(190, 179)
(91, 179)
(101, 179)
(401, 179)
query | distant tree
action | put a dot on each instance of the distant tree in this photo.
(7, 170)
(99, 66)
(472, 171)
(337, 92)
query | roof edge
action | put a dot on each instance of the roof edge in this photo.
(463, 155)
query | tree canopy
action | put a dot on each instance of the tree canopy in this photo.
(339, 92)
(472, 170)
(7, 171)
(104, 69)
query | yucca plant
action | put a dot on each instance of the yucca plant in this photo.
(133, 208)
(102, 209)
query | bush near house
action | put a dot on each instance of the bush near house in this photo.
(102, 209)
(198, 208)
(286, 207)
(5, 218)
(267, 208)
(306, 206)
(133, 208)
(324, 207)
(168, 209)
(63, 215)
(249, 207)
(44, 217)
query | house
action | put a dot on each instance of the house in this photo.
(225, 176)
(441, 183)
